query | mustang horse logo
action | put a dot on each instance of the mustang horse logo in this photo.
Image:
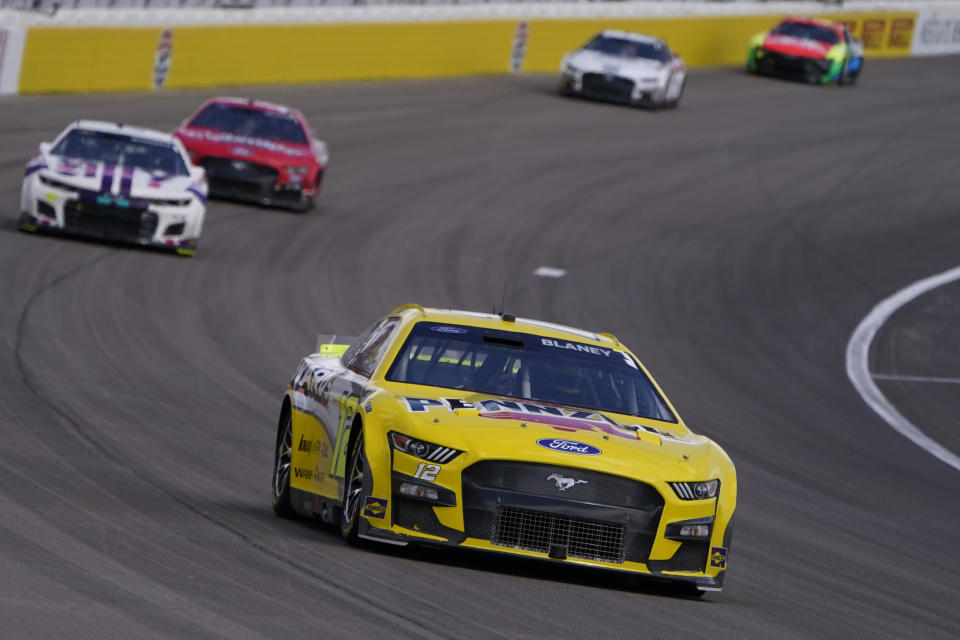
(563, 482)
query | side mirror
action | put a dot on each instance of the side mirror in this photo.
(45, 147)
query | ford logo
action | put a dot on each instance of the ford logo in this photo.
(569, 446)
(448, 329)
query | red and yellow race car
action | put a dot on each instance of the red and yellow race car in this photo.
(507, 435)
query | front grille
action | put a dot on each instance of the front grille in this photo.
(691, 556)
(108, 221)
(538, 530)
(548, 480)
(604, 86)
(776, 62)
(415, 515)
(240, 177)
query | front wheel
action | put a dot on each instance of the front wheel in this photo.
(353, 493)
(672, 104)
(281, 467)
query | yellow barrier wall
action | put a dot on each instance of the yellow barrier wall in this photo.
(75, 59)
(707, 41)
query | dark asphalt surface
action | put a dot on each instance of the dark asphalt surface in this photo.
(734, 244)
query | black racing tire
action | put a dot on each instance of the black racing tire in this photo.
(811, 74)
(353, 491)
(282, 461)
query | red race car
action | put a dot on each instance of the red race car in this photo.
(256, 151)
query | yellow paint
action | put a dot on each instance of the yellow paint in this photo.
(289, 54)
(884, 35)
(74, 59)
(81, 59)
(50, 197)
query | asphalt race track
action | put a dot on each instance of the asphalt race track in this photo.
(734, 244)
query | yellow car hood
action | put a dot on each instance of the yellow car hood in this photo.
(507, 428)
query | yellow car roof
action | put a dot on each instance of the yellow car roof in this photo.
(507, 322)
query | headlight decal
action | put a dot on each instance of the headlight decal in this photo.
(421, 449)
(696, 490)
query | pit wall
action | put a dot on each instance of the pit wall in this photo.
(84, 58)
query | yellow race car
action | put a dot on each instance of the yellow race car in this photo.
(502, 434)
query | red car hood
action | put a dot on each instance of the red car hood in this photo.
(793, 46)
(205, 142)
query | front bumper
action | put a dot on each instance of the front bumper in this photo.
(110, 218)
(514, 507)
(611, 88)
(773, 63)
(240, 180)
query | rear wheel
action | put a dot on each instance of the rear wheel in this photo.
(353, 493)
(281, 466)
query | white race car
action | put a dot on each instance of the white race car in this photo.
(625, 67)
(115, 182)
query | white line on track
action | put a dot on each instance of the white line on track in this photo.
(858, 364)
(549, 272)
(893, 376)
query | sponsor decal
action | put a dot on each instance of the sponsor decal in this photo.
(883, 34)
(230, 138)
(162, 58)
(561, 418)
(576, 346)
(305, 445)
(936, 34)
(303, 474)
(718, 557)
(324, 450)
(443, 329)
(241, 151)
(375, 508)
(569, 446)
(563, 482)
(518, 52)
(68, 166)
(776, 40)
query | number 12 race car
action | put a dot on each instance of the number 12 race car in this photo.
(501, 434)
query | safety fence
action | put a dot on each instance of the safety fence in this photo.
(164, 50)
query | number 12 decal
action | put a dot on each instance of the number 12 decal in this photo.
(427, 472)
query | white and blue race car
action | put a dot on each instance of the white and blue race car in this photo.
(115, 182)
(619, 66)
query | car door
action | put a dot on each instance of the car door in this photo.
(347, 389)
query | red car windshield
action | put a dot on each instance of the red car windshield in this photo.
(808, 31)
(247, 121)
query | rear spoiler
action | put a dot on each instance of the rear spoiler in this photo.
(333, 345)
